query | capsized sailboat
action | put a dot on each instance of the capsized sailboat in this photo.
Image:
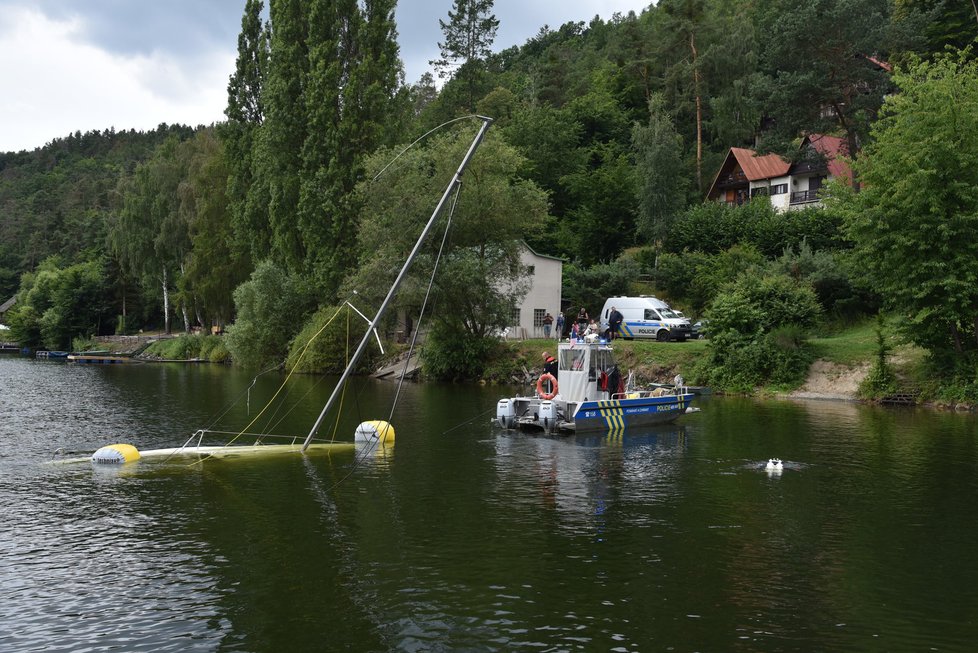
(589, 395)
(374, 432)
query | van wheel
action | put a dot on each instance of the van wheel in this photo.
(662, 336)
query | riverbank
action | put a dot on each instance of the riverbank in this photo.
(843, 361)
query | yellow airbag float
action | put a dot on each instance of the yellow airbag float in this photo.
(116, 454)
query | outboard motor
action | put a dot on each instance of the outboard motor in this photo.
(548, 415)
(506, 414)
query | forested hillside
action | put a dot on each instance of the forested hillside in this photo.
(608, 134)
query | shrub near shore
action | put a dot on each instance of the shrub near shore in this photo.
(189, 347)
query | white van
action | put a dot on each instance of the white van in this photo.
(646, 317)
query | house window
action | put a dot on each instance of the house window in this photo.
(779, 189)
(531, 270)
(514, 316)
(762, 190)
(538, 314)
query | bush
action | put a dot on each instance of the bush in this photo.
(84, 344)
(321, 349)
(189, 347)
(758, 326)
(452, 355)
(713, 227)
(271, 308)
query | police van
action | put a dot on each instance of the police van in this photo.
(646, 317)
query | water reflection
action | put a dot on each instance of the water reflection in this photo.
(466, 538)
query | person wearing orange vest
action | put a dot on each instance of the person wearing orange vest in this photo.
(549, 367)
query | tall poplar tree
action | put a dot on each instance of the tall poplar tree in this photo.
(247, 192)
(285, 127)
(332, 80)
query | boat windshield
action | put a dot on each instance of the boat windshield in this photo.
(572, 359)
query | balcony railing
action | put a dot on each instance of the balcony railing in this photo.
(804, 196)
(733, 179)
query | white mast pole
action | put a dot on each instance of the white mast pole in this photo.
(397, 282)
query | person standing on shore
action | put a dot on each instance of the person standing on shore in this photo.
(582, 320)
(548, 320)
(559, 325)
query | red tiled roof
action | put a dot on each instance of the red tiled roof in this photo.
(760, 167)
(833, 149)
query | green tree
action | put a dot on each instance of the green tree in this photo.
(58, 304)
(245, 113)
(212, 267)
(915, 218)
(822, 80)
(469, 33)
(271, 308)
(331, 89)
(685, 22)
(284, 130)
(661, 186)
(479, 276)
(150, 236)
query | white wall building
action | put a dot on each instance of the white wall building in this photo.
(545, 274)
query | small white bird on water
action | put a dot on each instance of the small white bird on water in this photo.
(774, 464)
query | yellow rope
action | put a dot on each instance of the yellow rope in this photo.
(289, 376)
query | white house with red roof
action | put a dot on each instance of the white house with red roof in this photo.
(746, 174)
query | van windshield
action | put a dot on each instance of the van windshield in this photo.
(667, 314)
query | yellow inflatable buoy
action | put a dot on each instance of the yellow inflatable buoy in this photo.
(374, 431)
(116, 454)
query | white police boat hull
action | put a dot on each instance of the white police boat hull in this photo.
(589, 397)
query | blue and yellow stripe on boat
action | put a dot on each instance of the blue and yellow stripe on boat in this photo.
(612, 414)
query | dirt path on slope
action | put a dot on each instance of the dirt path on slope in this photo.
(828, 380)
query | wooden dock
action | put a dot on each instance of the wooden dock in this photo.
(102, 360)
(398, 369)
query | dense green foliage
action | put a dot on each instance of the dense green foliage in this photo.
(758, 327)
(272, 307)
(914, 221)
(58, 303)
(606, 138)
(327, 342)
(480, 277)
(190, 347)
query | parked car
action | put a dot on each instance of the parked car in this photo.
(700, 329)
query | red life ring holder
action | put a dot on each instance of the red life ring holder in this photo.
(553, 384)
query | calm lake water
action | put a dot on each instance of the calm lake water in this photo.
(464, 538)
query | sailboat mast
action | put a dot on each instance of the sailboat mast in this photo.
(456, 179)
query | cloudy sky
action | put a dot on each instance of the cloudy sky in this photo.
(68, 65)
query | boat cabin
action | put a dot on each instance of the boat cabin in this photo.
(586, 371)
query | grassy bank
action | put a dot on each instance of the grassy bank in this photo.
(841, 352)
(651, 361)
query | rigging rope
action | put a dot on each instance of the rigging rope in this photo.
(302, 354)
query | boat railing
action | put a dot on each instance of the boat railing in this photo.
(642, 394)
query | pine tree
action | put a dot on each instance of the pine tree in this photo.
(469, 33)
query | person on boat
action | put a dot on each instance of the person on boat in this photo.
(549, 367)
(548, 320)
(615, 318)
(575, 332)
(549, 364)
(582, 320)
(559, 325)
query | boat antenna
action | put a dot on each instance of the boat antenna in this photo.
(456, 180)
